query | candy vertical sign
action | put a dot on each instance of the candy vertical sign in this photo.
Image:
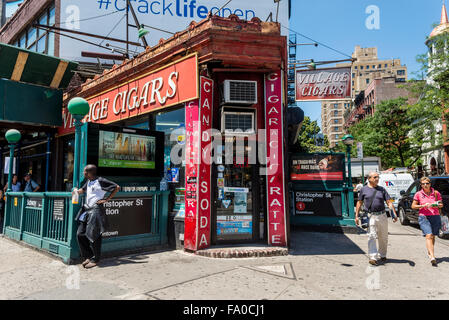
(277, 225)
(198, 169)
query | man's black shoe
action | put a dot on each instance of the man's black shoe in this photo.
(384, 259)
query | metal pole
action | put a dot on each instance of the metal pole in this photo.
(348, 149)
(363, 173)
(127, 27)
(47, 161)
(76, 161)
(11, 163)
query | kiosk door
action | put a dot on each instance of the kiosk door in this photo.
(237, 202)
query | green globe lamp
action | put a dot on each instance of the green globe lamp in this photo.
(12, 136)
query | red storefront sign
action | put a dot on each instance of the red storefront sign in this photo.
(323, 84)
(277, 224)
(198, 169)
(168, 86)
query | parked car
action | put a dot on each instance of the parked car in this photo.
(407, 215)
(394, 183)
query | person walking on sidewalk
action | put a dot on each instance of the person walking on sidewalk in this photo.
(373, 198)
(92, 217)
(429, 202)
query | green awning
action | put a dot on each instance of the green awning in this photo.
(30, 67)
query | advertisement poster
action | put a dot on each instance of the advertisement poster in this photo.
(240, 202)
(123, 150)
(238, 225)
(318, 167)
(323, 84)
(324, 204)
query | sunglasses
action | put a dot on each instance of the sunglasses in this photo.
(425, 183)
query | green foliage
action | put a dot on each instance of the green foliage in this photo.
(307, 140)
(397, 132)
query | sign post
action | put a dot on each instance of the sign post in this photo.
(360, 156)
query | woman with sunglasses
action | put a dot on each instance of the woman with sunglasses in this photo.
(429, 202)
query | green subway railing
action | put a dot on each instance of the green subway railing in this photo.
(47, 221)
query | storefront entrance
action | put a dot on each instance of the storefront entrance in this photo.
(237, 208)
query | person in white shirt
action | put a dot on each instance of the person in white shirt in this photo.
(92, 216)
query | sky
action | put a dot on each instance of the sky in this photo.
(341, 24)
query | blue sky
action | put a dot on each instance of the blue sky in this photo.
(404, 26)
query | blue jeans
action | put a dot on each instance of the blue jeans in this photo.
(430, 224)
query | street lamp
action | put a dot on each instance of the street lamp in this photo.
(348, 140)
(12, 136)
(79, 108)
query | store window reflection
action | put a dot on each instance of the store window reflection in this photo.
(69, 156)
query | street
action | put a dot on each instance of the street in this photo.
(319, 266)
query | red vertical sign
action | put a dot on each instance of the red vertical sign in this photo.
(198, 169)
(277, 224)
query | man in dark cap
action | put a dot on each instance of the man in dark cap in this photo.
(92, 216)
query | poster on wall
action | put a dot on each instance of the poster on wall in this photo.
(321, 167)
(324, 204)
(234, 225)
(123, 150)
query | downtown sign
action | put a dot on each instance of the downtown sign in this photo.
(170, 85)
(323, 84)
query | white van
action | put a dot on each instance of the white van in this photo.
(394, 183)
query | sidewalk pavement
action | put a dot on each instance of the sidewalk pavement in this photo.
(319, 266)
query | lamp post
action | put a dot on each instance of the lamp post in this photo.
(348, 140)
(78, 108)
(12, 136)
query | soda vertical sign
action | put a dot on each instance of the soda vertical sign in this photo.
(205, 164)
(277, 225)
(198, 169)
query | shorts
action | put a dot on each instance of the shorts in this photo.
(430, 224)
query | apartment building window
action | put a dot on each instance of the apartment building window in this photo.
(374, 67)
(337, 137)
(39, 40)
(379, 66)
(367, 67)
(336, 129)
(353, 75)
(336, 113)
(401, 72)
(355, 67)
(386, 65)
(336, 106)
(401, 80)
(336, 121)
(361, 67)
(367, 81)
(353, 82)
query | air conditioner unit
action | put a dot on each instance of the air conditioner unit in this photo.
(238, 123)
(240, 92)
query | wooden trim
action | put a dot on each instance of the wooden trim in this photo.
(59, 74)
(20, 65)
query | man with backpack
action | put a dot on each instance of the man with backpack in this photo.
(373, 198)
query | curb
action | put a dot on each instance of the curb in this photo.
(242, 253)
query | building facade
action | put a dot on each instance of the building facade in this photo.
(222, 74)
(332, 119)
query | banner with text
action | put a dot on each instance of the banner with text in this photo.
(321, 167)
(198, 168)
(174, 84)
(323, 84)
(274, 115)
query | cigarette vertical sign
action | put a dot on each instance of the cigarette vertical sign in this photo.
(198, 168)
(277, 225)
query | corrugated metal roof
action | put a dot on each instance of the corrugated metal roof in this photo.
(26, 66)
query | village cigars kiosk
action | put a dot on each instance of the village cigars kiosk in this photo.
(224, 203)
(132, 158)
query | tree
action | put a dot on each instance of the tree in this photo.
(397, 132)
(308, 139)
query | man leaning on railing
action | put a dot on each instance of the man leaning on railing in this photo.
(92, 217)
